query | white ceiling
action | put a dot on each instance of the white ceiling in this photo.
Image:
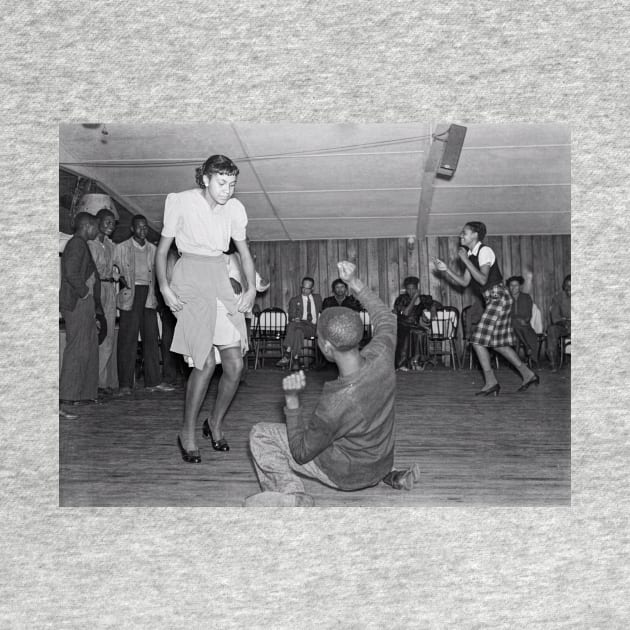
(318, 181)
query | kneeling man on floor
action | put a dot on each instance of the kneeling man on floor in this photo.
(347, 443)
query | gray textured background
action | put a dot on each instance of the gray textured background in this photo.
(327, 61)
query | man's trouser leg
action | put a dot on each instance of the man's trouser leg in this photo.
(275, 467)
(79, 371)
(106, 349)
(169, 359)
(149, 334)
(128, 329)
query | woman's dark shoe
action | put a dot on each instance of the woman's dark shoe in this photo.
(220, 445)
(190, 457)
(495, 389)
(535, 380)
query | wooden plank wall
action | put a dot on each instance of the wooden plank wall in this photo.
(384, 263)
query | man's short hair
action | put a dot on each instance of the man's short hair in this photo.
(411, 280)
(103, 212)
(339, 281)
(138, 217)
(305, 278)
(83, 218)
(341, 326)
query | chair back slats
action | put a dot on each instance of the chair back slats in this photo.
(269, 331)
(443, 333)
(444, 324)
(367, 325)
(272, 322)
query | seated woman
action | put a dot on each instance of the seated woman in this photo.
(521, 316)
(405, 309)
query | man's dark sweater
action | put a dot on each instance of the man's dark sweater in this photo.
(350, 435)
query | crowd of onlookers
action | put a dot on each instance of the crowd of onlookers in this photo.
(101, 280)
(415, 311)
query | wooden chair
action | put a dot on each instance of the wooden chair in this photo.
(565, 346)
(564, 343)
(443, 334)
(367, 328)
(269, 331)
(309, 353)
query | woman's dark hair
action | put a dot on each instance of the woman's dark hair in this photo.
(518, 279)
(564, 282)
(425, 302)
(338, 281)
(215, 164)
(231, 249)
(479, 227)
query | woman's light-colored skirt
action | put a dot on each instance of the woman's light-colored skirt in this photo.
(209, 316)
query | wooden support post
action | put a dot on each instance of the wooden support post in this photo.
(428, 178)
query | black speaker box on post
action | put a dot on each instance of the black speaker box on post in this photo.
(452, 150)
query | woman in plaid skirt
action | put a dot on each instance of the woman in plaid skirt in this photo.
(494, 330)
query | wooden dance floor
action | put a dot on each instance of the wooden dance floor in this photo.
(511, 450)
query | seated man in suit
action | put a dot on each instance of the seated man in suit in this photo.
(340, 297)
(304, 310)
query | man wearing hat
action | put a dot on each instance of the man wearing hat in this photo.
(79, 303)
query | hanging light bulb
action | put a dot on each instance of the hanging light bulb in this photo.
(93, 202)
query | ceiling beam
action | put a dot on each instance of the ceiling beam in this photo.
(436, 151)
(262, 188)
(126, 203)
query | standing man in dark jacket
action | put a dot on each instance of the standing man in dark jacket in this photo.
(79, 303)
(348, 441)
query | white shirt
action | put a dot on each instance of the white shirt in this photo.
(141, 264)
(200, 230)
(486, 257)
(305, 308)
(235, 272)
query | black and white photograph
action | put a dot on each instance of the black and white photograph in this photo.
(324, 255)
(321, 314)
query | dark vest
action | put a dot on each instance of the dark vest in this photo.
(494, 277)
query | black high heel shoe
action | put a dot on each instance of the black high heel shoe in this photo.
(532, 381)
(190, 457)
(495, 389)
(220, 445)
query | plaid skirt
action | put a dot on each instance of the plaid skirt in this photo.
(494, 329)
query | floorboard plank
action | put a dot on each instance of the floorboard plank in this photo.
(511, 450)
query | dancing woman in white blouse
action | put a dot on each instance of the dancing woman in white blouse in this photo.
(202, 221)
